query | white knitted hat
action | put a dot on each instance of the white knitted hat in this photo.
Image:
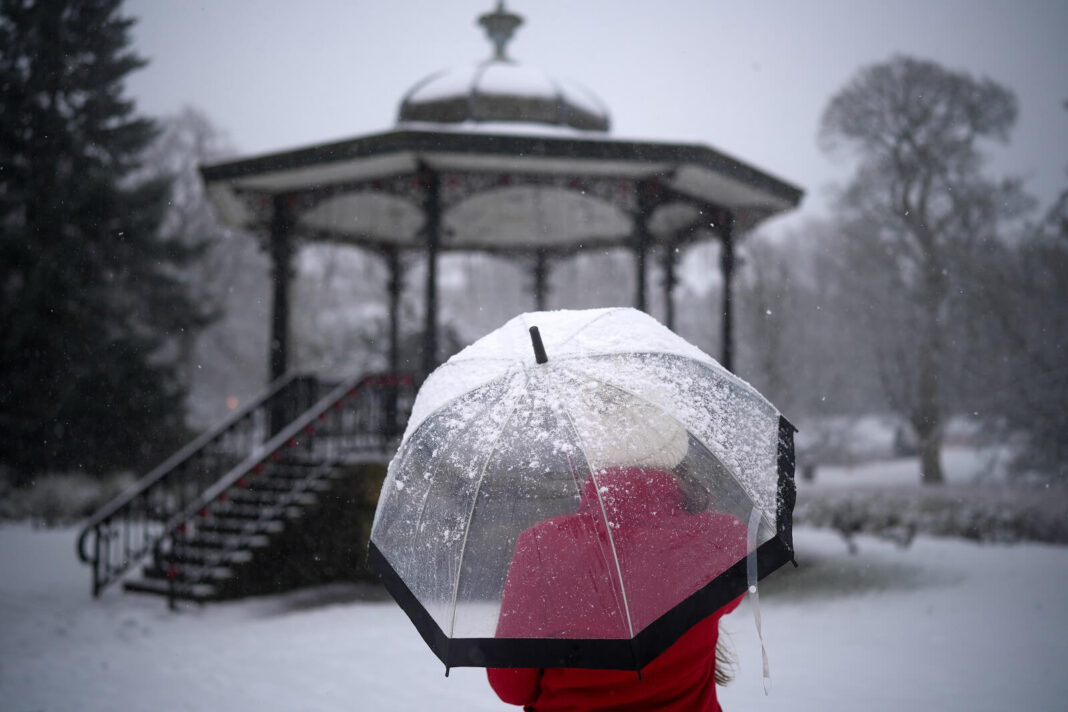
(631, 432)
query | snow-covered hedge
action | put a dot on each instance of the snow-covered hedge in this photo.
(59, 499)
(987, 513)
(852, 440)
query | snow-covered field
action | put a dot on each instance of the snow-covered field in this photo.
(961, 466)
(945, 625)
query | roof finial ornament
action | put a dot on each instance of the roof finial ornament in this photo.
(500, 25)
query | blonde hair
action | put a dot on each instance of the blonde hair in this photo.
(725, 661)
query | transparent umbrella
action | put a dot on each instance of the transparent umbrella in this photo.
(580, 494)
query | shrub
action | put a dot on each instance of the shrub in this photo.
(60, 499)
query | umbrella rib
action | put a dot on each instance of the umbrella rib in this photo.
(607, 525)
(474, 503)
(503, 376)
(607, 312)
(615, 554)
(728, 470)
(604, 514)
(710, 364)
(426, 495)
(430, 486)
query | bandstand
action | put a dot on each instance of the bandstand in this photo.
(496, 157)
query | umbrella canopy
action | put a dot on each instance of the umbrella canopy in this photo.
(582, 502)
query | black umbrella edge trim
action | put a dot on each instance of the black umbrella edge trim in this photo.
(787, 489)
(599, 654)
(621, 654)
(662, 633)
(431, 633)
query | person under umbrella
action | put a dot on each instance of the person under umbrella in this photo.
(583, 509)
(642, 506)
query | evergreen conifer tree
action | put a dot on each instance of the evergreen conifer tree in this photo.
(91, 295)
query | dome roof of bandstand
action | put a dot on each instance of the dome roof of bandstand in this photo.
(499, 192)
(502, 91)
(501, 158)
(525, 163)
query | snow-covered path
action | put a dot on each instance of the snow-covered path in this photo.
(946, 625)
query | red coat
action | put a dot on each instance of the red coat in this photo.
(564, 582)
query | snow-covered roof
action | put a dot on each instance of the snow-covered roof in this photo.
(502, 90)
(507, 217)
(527, 165)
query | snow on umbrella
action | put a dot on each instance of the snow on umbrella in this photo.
(581, 503)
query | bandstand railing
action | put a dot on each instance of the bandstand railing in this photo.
(298, 416)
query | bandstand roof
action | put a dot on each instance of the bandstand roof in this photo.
(510, 190)
(522, 162)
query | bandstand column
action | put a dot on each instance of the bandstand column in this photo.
(641, 248)
(726, 263)
(541, 279)
(281, 254)
(430, 182)
(648, 193)
(395, 286)
(670, 262)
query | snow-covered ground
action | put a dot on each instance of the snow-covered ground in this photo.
(960, 464)
(944, 625)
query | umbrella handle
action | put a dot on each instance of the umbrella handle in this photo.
(539, 347)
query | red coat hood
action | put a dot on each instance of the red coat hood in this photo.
(630, 494)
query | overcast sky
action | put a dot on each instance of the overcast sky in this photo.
(749, 78)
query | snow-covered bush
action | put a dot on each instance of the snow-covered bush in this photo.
(58, 499)
(988, 513)
(849, 440)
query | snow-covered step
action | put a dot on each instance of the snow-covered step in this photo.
(164, 587)
(273, 510)
(263, 497)
(208, 556)
(187, 573)
(281, 485)
(218, 540)
(225, 525)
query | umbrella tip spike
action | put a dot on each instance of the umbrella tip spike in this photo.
(539, 347)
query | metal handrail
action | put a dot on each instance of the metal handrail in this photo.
(171, 463)
(135, 514)
(292, 437)
(286, 438)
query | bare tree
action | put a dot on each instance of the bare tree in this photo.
(800, 338)
(185, 139)
(917, 206)
(225, 363)
(766, 293)
(1022, 290)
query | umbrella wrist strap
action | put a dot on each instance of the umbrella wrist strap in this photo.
(754, 596)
